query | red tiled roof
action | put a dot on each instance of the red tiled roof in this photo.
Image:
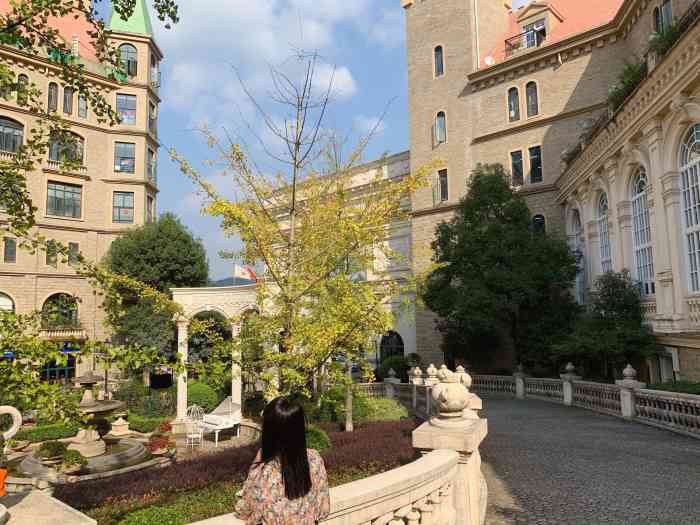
(68, 27)
(577, 16)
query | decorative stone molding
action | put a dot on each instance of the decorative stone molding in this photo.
(16, 416)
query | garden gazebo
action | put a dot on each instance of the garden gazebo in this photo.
(227, 301)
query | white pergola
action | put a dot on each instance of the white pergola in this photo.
(228, 301)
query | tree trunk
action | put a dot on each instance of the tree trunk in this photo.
(348, 400)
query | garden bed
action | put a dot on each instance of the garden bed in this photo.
(205, 487)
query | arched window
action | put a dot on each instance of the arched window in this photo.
(23, 83)
(129, 57)
(513, 105)
(64, 148)
(11, 135)
(53, 97)
(604, 234)
(439, 62)
(539, 224)
(6, 303)
(440, 128)
(577, 244)
(690, 183)
(391, 345)
(60, 311)
(532, 99)
(641, 233)
(68, 100)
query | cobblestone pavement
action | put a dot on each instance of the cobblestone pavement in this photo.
(549, 464)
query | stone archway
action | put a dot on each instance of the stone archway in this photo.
(228, 301)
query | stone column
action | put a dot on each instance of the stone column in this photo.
(457, 428)
(628, 386)
(182, 337)
(567, 384)
(672, 281)
(236, 379)
(519, 382)
(416, 380)
(624, 220)
(389, 383)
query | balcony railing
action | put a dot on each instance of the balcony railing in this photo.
(527, 40)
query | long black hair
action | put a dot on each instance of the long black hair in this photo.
(284, 437)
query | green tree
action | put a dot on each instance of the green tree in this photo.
(612, 332)
(500, 287)
(163, 255)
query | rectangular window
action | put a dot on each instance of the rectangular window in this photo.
(82, 106)
(51, 254)
(151, 166)
(124, 157)
(516, 168)
(123, 207)
(444, 189)
(58, 372)
(73, 251)
(534, 33)
(535, 164)
(64, 200)
(152, 118)
(126, 108)
(149, 208)
(53, 97)
(68, 100)
(10, 250)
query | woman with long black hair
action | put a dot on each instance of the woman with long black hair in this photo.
(287, 483)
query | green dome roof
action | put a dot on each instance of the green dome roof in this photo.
(139, 22)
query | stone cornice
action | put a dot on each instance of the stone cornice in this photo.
(679, 69)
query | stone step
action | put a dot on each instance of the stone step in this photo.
(38, 508)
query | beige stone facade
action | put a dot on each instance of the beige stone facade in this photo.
(570, 60)
(114, 190)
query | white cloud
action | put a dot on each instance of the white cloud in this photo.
(387, 28)
(343, 84)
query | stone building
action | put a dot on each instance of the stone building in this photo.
(114, 190)
(528, 88)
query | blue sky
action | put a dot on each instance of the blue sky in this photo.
(362, 39)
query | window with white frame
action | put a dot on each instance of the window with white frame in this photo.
(690, 184)
(604, 234)
(513, 105)
(440, 128)
(641, 233)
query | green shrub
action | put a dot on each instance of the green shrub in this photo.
(661, 42)
(383, 409)
(630, 77)
(253, 405)
(158, 402)
(73, 458)
(144, 424)
(398, 363)
(154, 516)
(132, 392)
(52, 449)
(201, 394)
(316, 438)
(332, 407)
(683, 387)
(39, 433)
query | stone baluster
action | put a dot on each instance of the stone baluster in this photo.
(386, 519)
(426, 511)
(519, 376)
(567, 384)
(628, 386)
(435, 499)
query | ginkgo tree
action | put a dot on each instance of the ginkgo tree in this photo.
(315, 230)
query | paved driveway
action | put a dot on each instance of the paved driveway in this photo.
(549, 464)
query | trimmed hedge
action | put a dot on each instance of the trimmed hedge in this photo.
(201, 394)
(144, 424)
(683, 387)
(49, 432)
(155, 516)
(317, 439)
(384, 409)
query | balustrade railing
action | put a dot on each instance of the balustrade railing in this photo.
(549, 389)
(371, 389)
(680, 412)
(404, 393)
(490, 384)
(597, 396)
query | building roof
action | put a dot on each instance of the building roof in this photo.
(139, 22)
(573, 17)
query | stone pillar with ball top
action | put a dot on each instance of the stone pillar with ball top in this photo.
(628, 386)
(458, 427)
(567, 384)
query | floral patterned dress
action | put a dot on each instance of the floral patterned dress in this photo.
(262, 500)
